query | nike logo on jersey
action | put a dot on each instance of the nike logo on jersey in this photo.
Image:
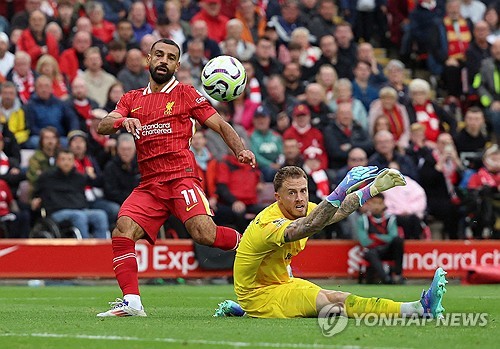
(135, 109)
(189, 208)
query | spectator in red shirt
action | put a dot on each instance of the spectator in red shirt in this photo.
(101, 28)
(306, 135)
(216, 22)
(237, 189)
(71, 61)
(35, 41)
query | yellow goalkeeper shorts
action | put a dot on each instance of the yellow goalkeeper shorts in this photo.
(296, 298)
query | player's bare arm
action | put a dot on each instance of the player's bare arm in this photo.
(229, 135)
(320, 217)
(114, 121)
(343, 201)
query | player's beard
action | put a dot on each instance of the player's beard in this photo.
(160, 79)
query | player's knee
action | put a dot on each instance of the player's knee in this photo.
(126, 227)
(336, 297)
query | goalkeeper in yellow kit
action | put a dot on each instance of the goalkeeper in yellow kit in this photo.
(261, 279)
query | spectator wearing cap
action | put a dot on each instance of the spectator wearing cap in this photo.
(266, 144)
(344, 134)
(216, 22)
(12, 113)
(254, 21)
(6, 57)
(88, 166)
(35, 41)
(44, 109)
(308, 137)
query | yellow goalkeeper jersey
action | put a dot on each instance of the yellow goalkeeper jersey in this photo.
(263, 256)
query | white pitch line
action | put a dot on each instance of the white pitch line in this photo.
(191, 341)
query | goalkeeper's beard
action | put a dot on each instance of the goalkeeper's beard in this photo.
(160, 79)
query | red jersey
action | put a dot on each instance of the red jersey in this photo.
(5, 198)
(168, 123)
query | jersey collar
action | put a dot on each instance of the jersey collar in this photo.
(166, 89)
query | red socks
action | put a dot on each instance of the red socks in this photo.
(226, 238)
(125, 264)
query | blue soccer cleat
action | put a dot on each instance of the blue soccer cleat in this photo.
(229, 308)
(431, 299)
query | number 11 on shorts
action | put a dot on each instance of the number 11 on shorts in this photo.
(189, 193)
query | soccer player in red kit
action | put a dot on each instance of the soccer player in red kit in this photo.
(162, 118)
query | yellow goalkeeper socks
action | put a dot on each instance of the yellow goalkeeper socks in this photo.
(361, 305)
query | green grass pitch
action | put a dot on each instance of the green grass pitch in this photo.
(181, 317)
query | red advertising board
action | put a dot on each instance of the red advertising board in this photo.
(175, 258)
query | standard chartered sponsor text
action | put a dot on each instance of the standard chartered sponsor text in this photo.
(155, 129)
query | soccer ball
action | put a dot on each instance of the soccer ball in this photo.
(223, 78)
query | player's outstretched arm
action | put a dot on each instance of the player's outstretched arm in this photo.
(313, 223)
(229, 135)
(325, 212)
(114, 121)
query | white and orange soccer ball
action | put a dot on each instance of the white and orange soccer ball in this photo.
(224, 78)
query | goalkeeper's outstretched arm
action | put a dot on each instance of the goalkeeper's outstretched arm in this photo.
(338, 205)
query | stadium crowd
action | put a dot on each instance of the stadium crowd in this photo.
(332, 84)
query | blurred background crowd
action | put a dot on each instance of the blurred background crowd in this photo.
(332, 84)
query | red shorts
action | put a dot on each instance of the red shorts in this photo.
(150, 204)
